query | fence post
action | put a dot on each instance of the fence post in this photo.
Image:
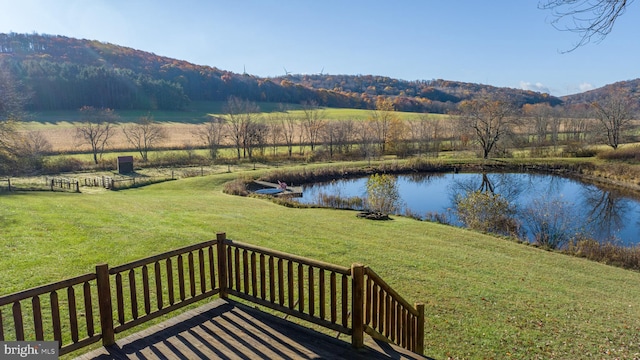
(420, 330)
(357, 305)
(9, 182)
(104, 303)
(222, 264)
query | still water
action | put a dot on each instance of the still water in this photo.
(603, 214)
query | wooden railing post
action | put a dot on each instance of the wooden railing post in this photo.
(420, 330)
(222, 264)
(104, 303)
(357, 305)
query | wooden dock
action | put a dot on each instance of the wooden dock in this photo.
(225, 329)
(295, 191)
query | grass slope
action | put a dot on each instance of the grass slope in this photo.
(485, 297)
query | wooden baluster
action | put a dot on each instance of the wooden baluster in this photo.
(1, 327)
(381, 315)
(203, 275)
(387, 314)
(146, 290)
(345, 301)
(229, 268)
(322, 293)
(263, 278)
(133, 293)
(88, 308)
(334, 297)
(400, 324)
(300, 288)
(245, 271)
(405, 328)
(280, 282)
(37, 318)
(17, 321)
(73, 313)
(181, 278)
(290, 293)
(55, 318)
(212, 268)
(158, 279)
(120, 298)
(272, 281)
(374, 306)
(254, 276)
(236, 261)
(368, 301)
(192, 275)
(394, 319)
(414, 331)
(169, 266)
(311, 289)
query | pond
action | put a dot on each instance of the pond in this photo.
(602, 214)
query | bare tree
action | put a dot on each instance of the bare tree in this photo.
(489, 119)
(345, 135)
(275, 128)
(425, 133)
(144, 135)
(381, 120)
(592, 19)
(212, 134)
(241, 117)
(96, 129)
(313, 122)
(31, 148)
(288, 127)
(614, 114)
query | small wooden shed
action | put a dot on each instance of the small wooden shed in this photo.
(125, 164)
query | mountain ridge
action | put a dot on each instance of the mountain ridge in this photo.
(67, 73)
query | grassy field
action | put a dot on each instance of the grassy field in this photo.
(59, 127)
(485, 297)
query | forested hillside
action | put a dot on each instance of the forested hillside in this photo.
(67, 73)
(587, 97)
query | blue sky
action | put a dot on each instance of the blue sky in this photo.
(500, 42)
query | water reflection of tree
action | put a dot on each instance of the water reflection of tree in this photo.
(508, 186)
(606, 210)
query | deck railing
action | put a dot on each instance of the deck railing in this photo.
(351, 301)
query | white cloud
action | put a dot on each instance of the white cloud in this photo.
(585, 87)
(539, 87)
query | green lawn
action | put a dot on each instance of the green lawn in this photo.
(485, 297)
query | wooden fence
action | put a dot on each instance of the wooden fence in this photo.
(98, 181)
(8, 181)
(349, 300)
(62, 184)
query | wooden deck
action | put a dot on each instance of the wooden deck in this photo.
(225, 329)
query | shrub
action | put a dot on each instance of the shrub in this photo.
(551, 222)
(608, 252)
(62, 164)
(626, 153)
(236, 187)
(488, 212)
(382, 194)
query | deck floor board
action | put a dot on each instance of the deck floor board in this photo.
(224, 329)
